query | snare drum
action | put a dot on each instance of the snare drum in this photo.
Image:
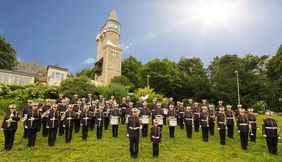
(145, 119)
(114, 120)
(159, 118)
(172, 122)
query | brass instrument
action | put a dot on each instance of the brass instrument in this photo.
(24, 118)
(10, 120)
(46, 113)
(64, 114)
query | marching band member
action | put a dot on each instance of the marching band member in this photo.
(221, 124)
(204, 103)
(53, 124)
(93, 108)
(196, 113)
(158, 113)
(204, 122)
(107, 110)
(101, 100)
(99, 121)
(211, 119)
(270, 130)
(243, 128)
(85, 118)
(181, 111)
(69, 122)
(60, 99)
(145, 113)
(140, 103)
(220, 104)
(128, 111)
(32, 124)
(190, 103)
(75, 99)
(237, 112)
(26, 109)
(115, 113)
(171, 102)
(123, 107)
(152, 109)
(171, 116)
(45, 111)
(10, 125)
(156, 138)
(230, 116)
(188, 120)
(78, 110)
(89, 99)
(132, 129)
(62, 108)
(253, 125)
(165, 109)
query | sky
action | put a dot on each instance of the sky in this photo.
(64, 31)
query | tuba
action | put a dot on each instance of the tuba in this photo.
(144, 96)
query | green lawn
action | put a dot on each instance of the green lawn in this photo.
(117, 149)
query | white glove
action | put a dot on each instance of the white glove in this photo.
(127, 135)
(25, 127)
(264, 135)
(47, 126)
(80, 124)
(64, 126)
(279, 137)
(238, 131)
(218, 128)
(141, 127)
(200, 126)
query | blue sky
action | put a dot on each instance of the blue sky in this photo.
(64, 31)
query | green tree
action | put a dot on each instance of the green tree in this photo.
(88, 72)
(76, 85)
(8, 55)
(123, 80)
(113, 89)
(164, 76)
(130, 68)
(274, 72)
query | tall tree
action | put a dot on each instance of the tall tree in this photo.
(8, 55)
(88, 72)
(130, 68)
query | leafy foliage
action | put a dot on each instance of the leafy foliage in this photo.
(88, 72)
(130, 68)
(8, 55)
(113, 89)
(149, 91)
(76, 85)
(123, 80)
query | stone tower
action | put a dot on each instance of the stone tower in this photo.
(108, 58)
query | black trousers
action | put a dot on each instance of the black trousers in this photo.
(31, 134)
(254, 136)
(106, 123)
(189, 131)
(92, 124)
(76, 125)
(25, 132)
(44, 129)
(145, 130)
(155, 149)
(205, 134)
(61, 128)
(9, 139)
(153, 117)
(164, 120)
(115, 130)
(171, 132)
(69, 133)
(211, 128)
(85, 129)
(181, 123)
(133, 147)
(196, 125)
(52, 134)
(244, 140)
(272, 144)
(99, 132)
(122, 117)
(222, 135)
(230, 130)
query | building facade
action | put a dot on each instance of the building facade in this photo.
(16, 77)
(55, 75)
(109, 52)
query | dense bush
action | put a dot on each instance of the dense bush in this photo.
(151, 94)
(113, 89)
(76, 85)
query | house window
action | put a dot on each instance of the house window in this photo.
(58, 75)
(62, 76)
(53, 74)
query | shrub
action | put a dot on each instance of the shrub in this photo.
(151, 94)
(113, 89)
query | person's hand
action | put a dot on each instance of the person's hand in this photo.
(47, 126)
(80, 124)
(218, 128)
(264, 135)
(127, 135)
(238, 131)
(64, 126)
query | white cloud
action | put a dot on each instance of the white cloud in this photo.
(89, 61)
(128, 45)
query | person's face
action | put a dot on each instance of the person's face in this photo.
(134, 113)
(269, 116)
(34, 107)
(55, 108)
(12, 109)
(241, 113)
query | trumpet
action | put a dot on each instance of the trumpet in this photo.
(64, 114)
(46, 113)
(24, 118)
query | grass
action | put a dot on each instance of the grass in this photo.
(117, 149)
